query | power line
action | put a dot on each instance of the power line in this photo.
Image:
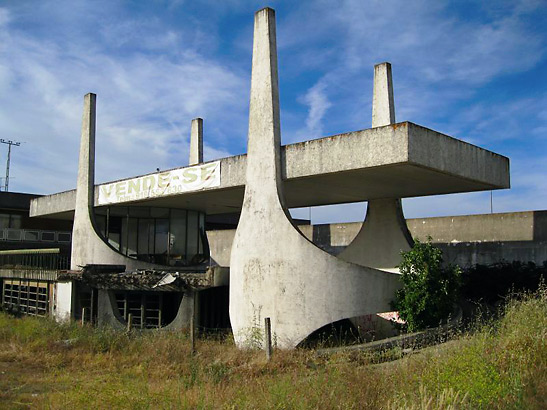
(9, 143)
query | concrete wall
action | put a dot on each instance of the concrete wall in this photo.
(465, 240)
(62, 309)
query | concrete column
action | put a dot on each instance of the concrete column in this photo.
(196, 142)
(383, 105)
(88, 247)
(384, 233)
(85, 183)
(275, 271)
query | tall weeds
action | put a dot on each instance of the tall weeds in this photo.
(498, 365)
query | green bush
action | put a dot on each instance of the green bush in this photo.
(429, 290)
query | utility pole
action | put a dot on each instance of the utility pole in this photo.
(9, 143)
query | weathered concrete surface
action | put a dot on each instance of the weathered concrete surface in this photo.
(383, 102)
(196, 142)
(63, 297)
(107, 311)
(87, 245)
(465, 240)
(384, 235)
(514, 226)
(395, 161)
(275, 271)
(187, 309)
(485, 239)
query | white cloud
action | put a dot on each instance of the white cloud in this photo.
(318, 104)
(145, 103)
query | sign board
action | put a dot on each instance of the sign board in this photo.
(161, 184)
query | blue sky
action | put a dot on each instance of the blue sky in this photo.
(475, 70)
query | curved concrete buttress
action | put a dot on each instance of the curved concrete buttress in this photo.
(88, 247)
(275, 271)
(384, 233)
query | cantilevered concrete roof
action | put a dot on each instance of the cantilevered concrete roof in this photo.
(396, 161)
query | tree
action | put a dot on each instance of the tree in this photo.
(429, 290)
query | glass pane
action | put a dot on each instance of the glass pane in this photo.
(49, 236)
(31, 236)
(114, 240)
(177, 235)
(151, 237)
(144, 226)
(114, 231)
(193, 235)
(101, 224)
(141, 212)
(162, 230)
(118, 211)
(123, 245)
(100, 210)
(64, 236)
(4, 221)
(132, 237)
(159, 212)
(202, 232)
(16, 221)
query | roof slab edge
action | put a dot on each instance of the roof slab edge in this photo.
(401, 143)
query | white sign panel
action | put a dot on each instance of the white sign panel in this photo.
(161, 184)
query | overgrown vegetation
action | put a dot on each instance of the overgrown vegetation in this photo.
(429, 290)
(46, 365)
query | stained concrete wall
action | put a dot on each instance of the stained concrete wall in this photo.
(465, 240)
(64, 295)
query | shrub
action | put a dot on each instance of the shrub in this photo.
(429, 291)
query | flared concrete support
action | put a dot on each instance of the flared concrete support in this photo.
(275, 271)
(382, 237)
(187, 310)
(88, 247)
(384, 233)
(107, 311)
(196, 142)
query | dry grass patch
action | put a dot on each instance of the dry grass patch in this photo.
(47, 365)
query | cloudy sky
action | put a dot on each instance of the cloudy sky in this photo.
(475, 70)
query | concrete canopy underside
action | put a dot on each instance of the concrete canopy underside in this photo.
(396, 161)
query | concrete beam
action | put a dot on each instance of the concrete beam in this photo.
(399, 161)
(196, 142)
(275, 271)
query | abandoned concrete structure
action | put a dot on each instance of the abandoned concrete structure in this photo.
(144, 246)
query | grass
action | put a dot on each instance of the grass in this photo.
(46, 365)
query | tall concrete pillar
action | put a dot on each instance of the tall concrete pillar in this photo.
(275, 271)
(83, 210)
(384, 233)
(383, 105)
(88, 247)
(196, 142)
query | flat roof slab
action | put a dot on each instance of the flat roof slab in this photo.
(396, 161)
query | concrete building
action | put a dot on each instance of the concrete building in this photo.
(32, 251)
(145, 246)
